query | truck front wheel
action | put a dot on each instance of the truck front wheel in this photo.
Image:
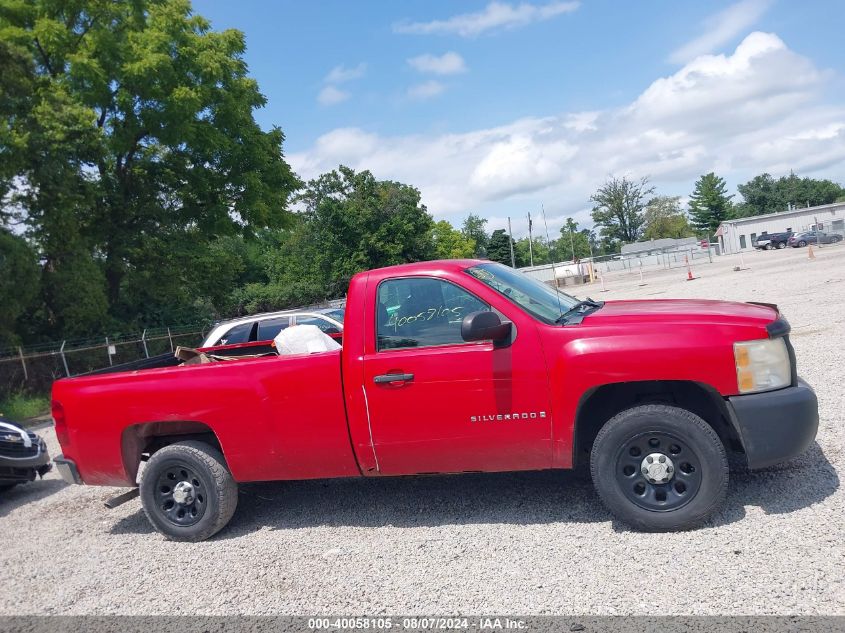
(659, 468)
(187, 492)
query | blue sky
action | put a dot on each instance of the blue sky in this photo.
(497, 108)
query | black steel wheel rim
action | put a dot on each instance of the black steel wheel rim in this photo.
(181, 495)
(678, 490)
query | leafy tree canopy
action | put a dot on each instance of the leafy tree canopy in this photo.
(618, 209)
(130, 145)
(664, 218)
(473, 229)
(449, 243)
(765, 194)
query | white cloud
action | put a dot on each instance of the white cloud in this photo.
(495, 16)
(342, 74)
(426, 90)
(446, 64)
(331, 95)
(761, 108)
(722, 28)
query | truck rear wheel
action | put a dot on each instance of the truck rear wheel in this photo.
(187, 492)
(659, 468)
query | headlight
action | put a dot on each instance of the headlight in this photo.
(762, 365)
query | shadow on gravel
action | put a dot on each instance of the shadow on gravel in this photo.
(795, 485)
(27, 493)
(518, 498)
(512, 498)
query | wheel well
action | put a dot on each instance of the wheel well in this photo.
(140, 441)
(602, 403)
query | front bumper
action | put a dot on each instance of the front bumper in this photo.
(775, 426)
(23, 469)
(67, 469)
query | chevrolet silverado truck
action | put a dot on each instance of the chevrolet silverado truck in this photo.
(451, 367)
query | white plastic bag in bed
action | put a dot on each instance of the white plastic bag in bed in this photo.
(304, 339)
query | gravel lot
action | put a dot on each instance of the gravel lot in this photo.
(529, 543)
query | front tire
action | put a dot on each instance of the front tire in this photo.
(768, 247)
(782, 245)
(659, 468)
(187, 492)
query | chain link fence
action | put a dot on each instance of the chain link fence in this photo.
(569, 272)
(34, 368)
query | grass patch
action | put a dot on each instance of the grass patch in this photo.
(21, 406)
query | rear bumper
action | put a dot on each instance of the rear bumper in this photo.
(775, 426)
(67, 469)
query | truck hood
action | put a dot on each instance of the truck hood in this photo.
(696, 311)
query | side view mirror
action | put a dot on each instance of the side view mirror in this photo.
(485, 325)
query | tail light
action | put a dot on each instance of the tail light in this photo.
(60, 424)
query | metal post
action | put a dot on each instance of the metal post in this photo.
(23, 363)
(171, 339)
(144, 343)
(64, 360)
(510, 243)
(530, 241)
(108, 351)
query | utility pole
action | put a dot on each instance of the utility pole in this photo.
(510, 242)
(530, 241)
(572, 241)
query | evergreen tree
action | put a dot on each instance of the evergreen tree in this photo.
(709, 206)
(499, 247)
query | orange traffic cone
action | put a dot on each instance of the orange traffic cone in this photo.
(689, 269)
(810, 253)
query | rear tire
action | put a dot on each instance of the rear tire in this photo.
(802, 243)
(187, 492)
(782, 245)
(687, 479)
(768, 247)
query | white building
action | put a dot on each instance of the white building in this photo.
(737, 235)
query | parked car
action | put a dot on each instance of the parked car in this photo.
(458, 366)
(23, 455)
(769, 241)
(264, 327)
(813, 237)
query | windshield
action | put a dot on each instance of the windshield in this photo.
(533, 296)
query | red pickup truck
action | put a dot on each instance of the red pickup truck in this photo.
(458, 366)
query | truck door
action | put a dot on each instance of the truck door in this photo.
(436, 403)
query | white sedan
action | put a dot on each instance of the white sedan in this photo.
(264, 327)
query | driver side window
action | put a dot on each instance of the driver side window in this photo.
(421, 312)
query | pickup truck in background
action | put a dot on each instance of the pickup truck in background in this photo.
(458, 366)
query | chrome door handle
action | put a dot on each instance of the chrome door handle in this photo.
(389, 378)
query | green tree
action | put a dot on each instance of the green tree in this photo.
(543, 252)
(351, 222)
(132, 139)
(473, 229)
(499, 247)
(709, 205)
(573, 242)
(449, 243)
(618, 209)
(763, 194)
(664, 218)
(18, 284)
